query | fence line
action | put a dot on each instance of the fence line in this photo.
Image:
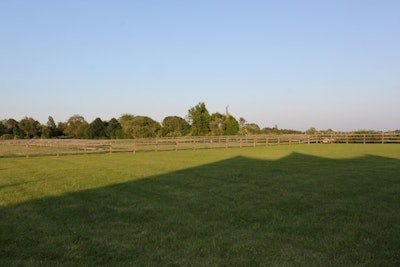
(31, 147)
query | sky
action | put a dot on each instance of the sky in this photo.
(288, 63)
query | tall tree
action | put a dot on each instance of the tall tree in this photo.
(96, 129)
(126, 121)
(223, 124)
(114, 129)
(232, 125)
(242, 126)
(139, 126)
(3, 128)
(144, 127)
(51, 129)
(175, 126)
(51, 123)
(12, 128)
(252, 128)
(199, 118)
(61, 126)
(30, 127)
(218, 124)
(76, 126)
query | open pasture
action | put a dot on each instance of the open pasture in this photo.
(302, 205)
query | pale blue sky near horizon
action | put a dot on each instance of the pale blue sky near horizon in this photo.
(294, 64)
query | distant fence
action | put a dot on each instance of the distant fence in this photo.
(32, 147)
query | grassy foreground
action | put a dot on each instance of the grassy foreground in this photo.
(304, 205)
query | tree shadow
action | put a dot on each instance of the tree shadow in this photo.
(298, 210)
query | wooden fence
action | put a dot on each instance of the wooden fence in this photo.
(57, 147)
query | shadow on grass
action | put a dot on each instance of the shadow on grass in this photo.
(299, 210)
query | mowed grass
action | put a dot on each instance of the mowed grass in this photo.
(304, 205)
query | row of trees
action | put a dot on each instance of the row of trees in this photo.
(198, 122)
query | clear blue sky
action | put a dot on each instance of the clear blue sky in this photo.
(295, 64)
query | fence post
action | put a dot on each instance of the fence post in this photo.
(383, 138)
(266, 141)
(58, 147)
(156, 146)
(134, 146)
(308, 139)
(27, 149)
(364, 139)
(176, 144)
(111, 147)
(347, 139)
(290, 140)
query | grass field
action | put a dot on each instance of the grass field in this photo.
(303, 205)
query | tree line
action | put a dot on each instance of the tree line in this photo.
(198, 122)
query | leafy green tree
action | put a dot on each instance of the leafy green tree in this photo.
(248, 128)
(242, 126)
(232, 125)
(51, 123)
(139, 126)
(252, 128)
(114, 129)
(61, 126)
(126, 121)
(96, 129)
(217, 124)
(51, 129)
(3, 128)
(145, 127)
(46, 132)
(223, 124)
(76, 126)
(12, 129)
(199, 118)
(175, 126)
(312, 130)
(30, 127)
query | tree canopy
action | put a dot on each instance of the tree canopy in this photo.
(76, 126)
(30, 127)
(96, 129)
(198, 122)
(223, 124)
(174, 126)
(139, 126)
(199, 117)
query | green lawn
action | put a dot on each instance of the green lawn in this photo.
(303, 205)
